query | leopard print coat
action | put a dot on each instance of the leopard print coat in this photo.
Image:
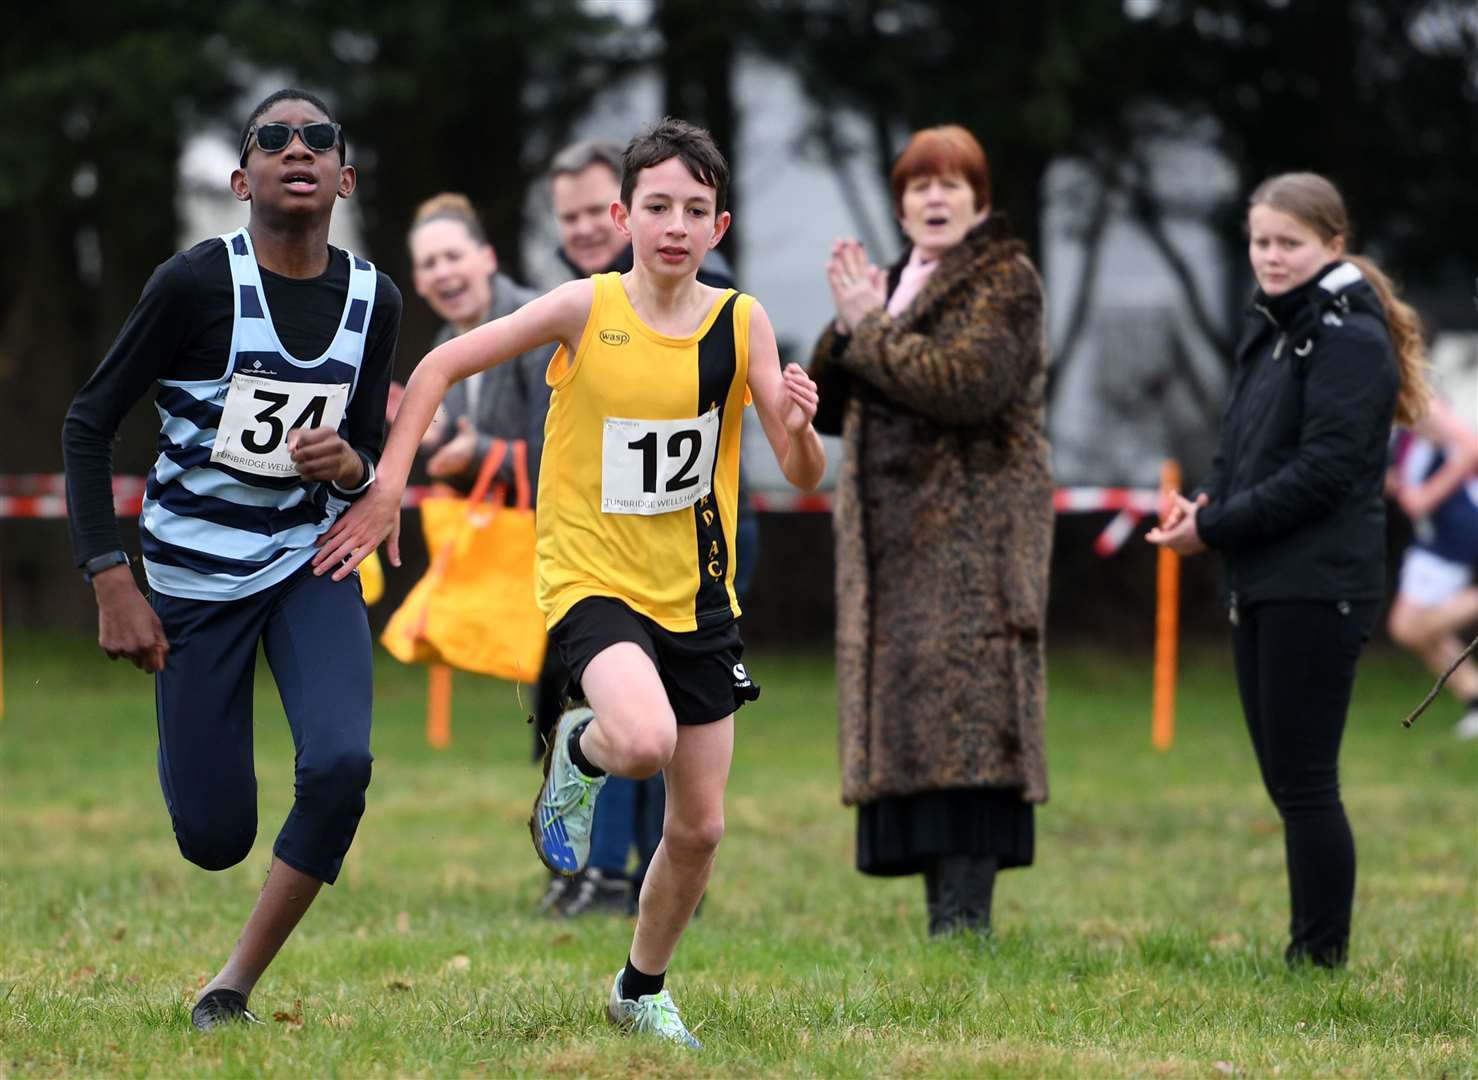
(943, 526)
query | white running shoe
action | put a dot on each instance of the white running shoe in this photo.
(650, 1014)
(1467, 727)
(565, 805)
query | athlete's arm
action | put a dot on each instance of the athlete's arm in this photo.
(154, 333)
(557, 316)
(786, 403)
(1460, 452)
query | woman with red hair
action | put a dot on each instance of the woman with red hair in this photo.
(933, 372)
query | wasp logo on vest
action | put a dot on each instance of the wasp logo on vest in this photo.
(615, 337)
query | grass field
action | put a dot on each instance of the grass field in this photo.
(1146, 941)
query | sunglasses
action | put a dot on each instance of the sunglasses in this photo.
(320, 137)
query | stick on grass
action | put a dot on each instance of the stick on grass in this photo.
(1432, 694)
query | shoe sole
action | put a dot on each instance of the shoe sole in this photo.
(549, 746)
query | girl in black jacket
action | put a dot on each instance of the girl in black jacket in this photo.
(1328, 358)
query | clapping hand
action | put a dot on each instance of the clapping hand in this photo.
(857, 287)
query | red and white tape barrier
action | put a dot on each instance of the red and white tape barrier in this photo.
(43, 495)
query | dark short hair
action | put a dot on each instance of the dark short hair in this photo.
(947, 150)
(690, 144)
(577, 157)
(290, 94)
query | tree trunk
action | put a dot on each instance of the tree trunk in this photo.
(697, 66)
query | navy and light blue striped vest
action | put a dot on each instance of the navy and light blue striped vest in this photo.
(211, 532)
(1450, 531)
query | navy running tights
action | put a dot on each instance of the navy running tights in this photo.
(315, 635)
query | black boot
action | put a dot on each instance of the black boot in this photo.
(959, 890)
(931, 898)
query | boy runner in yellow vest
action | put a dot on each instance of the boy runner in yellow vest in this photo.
(637, 515)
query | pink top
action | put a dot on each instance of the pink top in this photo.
(915, 272)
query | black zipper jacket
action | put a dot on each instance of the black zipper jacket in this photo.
(1296, 506)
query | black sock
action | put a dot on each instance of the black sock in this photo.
(577, 755)
(637, 984)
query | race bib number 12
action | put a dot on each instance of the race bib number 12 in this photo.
(258, 414)
(657, 466)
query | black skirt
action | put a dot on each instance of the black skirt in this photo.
(902, 835)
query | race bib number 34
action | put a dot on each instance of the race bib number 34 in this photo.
(259, 413)
(657, 466)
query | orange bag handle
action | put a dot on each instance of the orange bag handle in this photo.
(497, 453)
(490, 464)
(521, 473)
(442, 556)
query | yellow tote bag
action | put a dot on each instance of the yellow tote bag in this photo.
(475, 608)
(372, 579)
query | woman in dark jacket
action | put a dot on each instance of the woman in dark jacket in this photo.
(1294, 503)
(934, 376)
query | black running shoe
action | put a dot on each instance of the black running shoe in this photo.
(221, 1007)
(559, 891)
(592, 890)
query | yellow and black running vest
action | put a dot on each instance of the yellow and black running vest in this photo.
(638, 487)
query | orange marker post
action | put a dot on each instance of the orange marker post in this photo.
(1167, 624)
(439, 706)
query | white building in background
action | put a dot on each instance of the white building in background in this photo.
(1124, 400)
(1455, 373)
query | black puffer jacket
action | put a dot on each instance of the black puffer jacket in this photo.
(1296, 506)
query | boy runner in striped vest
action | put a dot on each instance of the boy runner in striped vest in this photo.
(637, 515)
(271, 353)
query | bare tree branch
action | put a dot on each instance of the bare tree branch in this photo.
(839, 160)
(1146, 210)
(1207, 403)
(1437, 689)
(1083, 296)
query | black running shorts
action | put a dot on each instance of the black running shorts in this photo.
(700, 669)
